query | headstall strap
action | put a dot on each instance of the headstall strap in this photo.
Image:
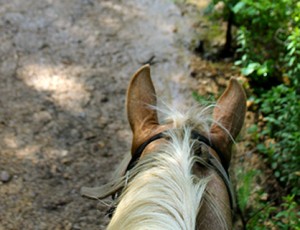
(194, 135)
(137, 154)
(220, 167)
(197, 136)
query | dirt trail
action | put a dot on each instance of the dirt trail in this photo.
(64, 69)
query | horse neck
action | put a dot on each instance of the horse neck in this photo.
(215, 212)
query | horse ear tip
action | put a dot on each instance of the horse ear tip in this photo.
(237, 84)
(145, 67)
(234, 80)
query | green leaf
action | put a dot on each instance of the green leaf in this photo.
(238, 7)
(250, 68)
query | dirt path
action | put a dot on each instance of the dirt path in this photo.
(64, 69)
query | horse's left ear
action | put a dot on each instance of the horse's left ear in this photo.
(229, 115)
(140, 96)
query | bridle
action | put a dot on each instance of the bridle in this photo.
(194, 135)
(210, 160)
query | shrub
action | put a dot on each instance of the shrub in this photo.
(268, 53)
(281, 109)
(265, 29)
(268, 216)
(268, 39)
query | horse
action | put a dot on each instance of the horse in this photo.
(177, 174)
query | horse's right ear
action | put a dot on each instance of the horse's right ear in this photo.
(140, 96)
(229, 115)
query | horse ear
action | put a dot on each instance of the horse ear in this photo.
(140, 96)
(229, 115)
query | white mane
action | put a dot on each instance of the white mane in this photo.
(162, 192)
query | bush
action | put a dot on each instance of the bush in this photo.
(268, 52)
(268, 216)
(265, 30)
(268, 41)
(281, 109)
(264, 214)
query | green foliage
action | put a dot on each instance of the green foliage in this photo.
(204, 100)
(291, 58)
(268, 216)
(267, 37)
(246, 186)
(257, 39)
(290, 214)
(264, 215)
(281, 109)
(268, 53)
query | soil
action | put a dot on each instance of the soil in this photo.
(64, 69)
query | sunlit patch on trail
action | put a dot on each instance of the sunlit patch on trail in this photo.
(65, 91)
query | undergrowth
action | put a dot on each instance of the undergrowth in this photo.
(267, 42)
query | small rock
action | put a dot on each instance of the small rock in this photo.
(42, 117)
(5, 177)
(101, 144)
(66, 160)
(67, 225)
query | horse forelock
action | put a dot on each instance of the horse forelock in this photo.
(162, 192)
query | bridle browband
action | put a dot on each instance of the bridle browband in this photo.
(206, 159)
(194, 135)
(212, 161)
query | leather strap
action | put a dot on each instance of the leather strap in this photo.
(115, 187)
(137, 154)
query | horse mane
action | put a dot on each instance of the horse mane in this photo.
(162, 192)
